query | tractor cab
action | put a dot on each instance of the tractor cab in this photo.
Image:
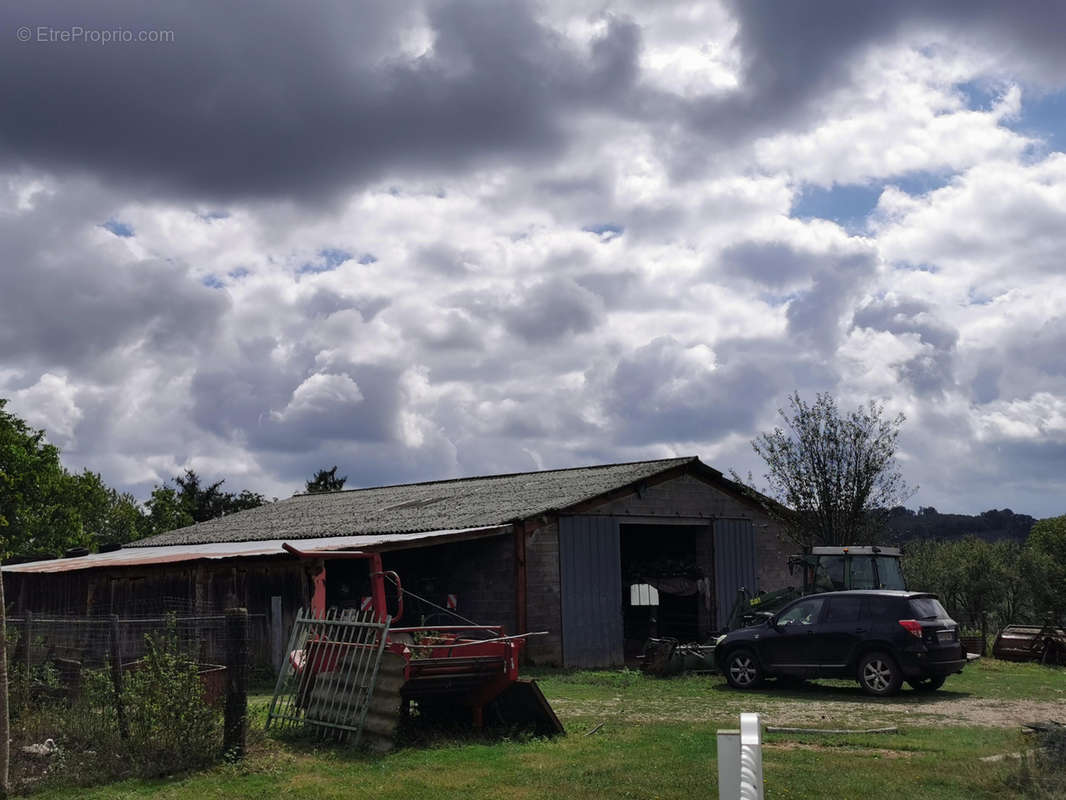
(823, 569)
(834, 569)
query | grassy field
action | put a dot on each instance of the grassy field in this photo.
(658, 740)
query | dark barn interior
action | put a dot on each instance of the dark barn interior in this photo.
(667, 558)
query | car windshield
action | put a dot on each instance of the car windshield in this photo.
(927, 608)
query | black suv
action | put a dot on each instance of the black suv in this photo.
(878, 637)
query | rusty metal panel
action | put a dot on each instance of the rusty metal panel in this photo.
(590, 566)
(136, 555)
(735, 564)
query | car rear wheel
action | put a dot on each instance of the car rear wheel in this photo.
(879, 674)
(742, 670)
(930, 684)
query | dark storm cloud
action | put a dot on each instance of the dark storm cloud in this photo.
(792, 53)
(275, 98)
(272, 98)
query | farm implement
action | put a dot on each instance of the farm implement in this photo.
(1043, 643)
(352, 674)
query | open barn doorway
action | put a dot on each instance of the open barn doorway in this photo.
(664, 583)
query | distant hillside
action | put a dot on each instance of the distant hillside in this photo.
(928, 523)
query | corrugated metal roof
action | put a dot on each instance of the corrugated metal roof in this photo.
(168, 554)
(451, 504)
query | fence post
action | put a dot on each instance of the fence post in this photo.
(27, 640)
(277, 644)
(728, 764)
(116, 678)
(235, 726)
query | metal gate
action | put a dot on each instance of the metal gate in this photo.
(590, 567)
(329, 674)
(735, 564)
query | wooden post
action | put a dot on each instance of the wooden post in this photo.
(116, 678)
(27, 660)
(235, 725)
(520, 600)
(277, 644)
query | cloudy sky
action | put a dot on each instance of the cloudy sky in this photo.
(431, 239)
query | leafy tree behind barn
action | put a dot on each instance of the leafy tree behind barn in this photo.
(836, 473)
(326, 480)
(190, 500)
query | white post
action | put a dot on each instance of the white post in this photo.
(750, 757)
(728, 765)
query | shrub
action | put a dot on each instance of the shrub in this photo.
(171, 727)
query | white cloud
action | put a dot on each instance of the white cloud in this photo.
(51, 405)
(903, 114)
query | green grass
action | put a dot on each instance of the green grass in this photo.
(658, 740)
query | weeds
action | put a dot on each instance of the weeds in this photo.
(171, 728)
(1042, 774)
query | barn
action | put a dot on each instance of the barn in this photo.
(598, 557)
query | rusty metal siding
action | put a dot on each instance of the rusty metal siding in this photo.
(736, 564)
(590, 567)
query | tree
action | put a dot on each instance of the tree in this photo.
(837, 474)
(1044, 566)
(982, 579)
(190, 500)
(1016, 593)
(326, 480)
(166, 511)
(29, 475)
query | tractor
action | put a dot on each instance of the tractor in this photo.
(466, 674)
(823, 569)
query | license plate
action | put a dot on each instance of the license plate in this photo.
(945, 636)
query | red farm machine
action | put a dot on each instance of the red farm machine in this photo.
(353, 673)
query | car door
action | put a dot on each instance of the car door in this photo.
(788, 645)
(838, 632)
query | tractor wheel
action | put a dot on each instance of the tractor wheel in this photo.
(879, 675)
(742, 670)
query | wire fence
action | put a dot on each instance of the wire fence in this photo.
(72, 643)
(102, 697)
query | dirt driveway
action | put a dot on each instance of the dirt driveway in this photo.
(824, 707)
